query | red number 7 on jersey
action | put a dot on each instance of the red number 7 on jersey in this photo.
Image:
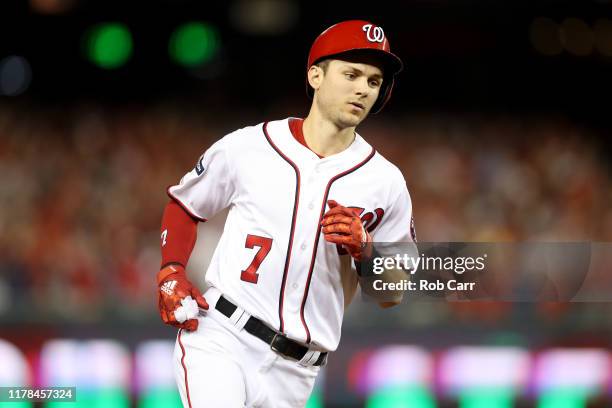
(264, 244)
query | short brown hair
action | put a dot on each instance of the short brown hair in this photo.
(323, 65)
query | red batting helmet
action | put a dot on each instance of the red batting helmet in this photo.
(357, 35)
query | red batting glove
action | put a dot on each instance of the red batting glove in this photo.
(342, 225)
(173, 291)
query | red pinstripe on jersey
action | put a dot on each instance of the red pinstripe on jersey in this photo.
(184, 367)
(316, 243)
(296, 203)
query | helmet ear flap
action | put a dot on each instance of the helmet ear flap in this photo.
(384, 95)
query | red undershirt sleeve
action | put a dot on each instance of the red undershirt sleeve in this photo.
(178, 235)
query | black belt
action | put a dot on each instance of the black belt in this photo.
(277, 341)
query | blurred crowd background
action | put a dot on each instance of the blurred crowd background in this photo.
(499, 124)
(83, 192)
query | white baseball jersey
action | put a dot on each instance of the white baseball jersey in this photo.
(272, 259)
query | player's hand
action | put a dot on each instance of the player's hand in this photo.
(342, 225)
(178, 299)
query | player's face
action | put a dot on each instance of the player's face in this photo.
(348, 91)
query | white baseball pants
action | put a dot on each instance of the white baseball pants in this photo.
(222, 366)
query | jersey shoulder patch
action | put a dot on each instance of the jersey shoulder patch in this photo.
(199, 168)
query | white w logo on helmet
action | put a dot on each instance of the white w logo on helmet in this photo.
(374, 33)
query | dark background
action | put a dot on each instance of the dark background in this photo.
(498, 141)
(460, 56)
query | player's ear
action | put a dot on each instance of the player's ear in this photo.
(315, 76)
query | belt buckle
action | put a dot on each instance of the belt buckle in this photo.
(272, 343)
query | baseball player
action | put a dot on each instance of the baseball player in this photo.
(305, 197)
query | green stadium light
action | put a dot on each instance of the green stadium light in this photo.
(109, 45)
(401, 397)
(87, 397)
(315, 401)
(487, 398)
(16, 404)
(193, 44)
(564, 398)
(160, 398)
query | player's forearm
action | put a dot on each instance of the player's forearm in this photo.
(382, 287)
(178, 235)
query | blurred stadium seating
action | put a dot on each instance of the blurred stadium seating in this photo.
(88, 189)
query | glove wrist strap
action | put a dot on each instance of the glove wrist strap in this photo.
(169, 270)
